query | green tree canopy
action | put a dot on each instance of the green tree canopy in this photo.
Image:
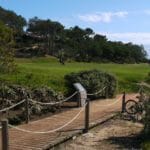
(6, 43)
(11, 19)
(50, 30)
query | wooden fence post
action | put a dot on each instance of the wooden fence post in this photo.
(27, 110)
(106, 93)
(87, 115)
(5, 137)
(123, 102)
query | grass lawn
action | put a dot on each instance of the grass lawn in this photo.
(48, 71)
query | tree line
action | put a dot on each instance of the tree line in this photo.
(40, 37)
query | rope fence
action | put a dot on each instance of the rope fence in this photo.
(13, 106)
(54, 103)
(51, 103)
(96, 93)
(107, 105)
(85, 108)
(50, 131)
(66, 99)
(132, 97)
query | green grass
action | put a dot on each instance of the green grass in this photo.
(48, 71)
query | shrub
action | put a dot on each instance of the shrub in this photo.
(93, 81)
(6, 52)
(12, 94)
(15, 120)
(45, 95)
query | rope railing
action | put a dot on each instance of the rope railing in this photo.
(51, 103)
(59, 102)
(144, 84)
(96, 93)
(132, 97)
(54, 103)
(86, 107)
(116, 101)
(8, 108)
(49, 131)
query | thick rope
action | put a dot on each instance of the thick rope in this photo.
(54, 103)
(91, 94)
(8, 108)
(132, 97)
(109, 104)
(50, 131)
(144, 84)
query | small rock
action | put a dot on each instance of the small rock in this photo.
(74, 137)
(90, 135)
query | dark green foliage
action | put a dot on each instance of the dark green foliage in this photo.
(46, 30)
(12, 20)
(15, 93)
(15, 120)
(80, 44)
(12, 94)
(6, 50)
(45, 95)
(94, 81)
(50, 37)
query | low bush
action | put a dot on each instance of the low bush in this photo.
(12, 94)
(93, 81)
(45, 95)
(15, 120)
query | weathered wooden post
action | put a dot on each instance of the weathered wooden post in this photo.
(123, 102)
(5, 137)
(87, 116)
(27, 110)
(106, 93)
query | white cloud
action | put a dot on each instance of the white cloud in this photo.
(105, 17)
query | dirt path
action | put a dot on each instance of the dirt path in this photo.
(99, 111)
(115, 134)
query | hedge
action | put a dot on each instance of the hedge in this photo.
(12, 94)
(93, 81)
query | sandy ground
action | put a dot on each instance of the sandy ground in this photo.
(115, 134)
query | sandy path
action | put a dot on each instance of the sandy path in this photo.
(115, 134)
(99, 109)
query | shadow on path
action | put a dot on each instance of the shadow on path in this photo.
(128, 142)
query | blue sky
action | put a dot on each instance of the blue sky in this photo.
(119, 20)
